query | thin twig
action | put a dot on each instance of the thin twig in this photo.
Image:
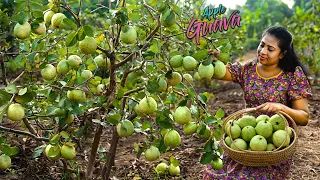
(24, 133)
(72, 13)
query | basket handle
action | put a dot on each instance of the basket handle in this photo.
(282, 114)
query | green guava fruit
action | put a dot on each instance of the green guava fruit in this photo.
(57, 21)
(48, 16)
(174, 170)
(270, 147)
(196, 76)
(262, 117)
(63, 67)
(172, 139)
(205, 71)
(162, 85)
(174, 79)
(15, 112)
(188, 78)
(53, 152)
(277, 122)
(41, 29)
(69, 119)
(128, 35)
(247, 120)
(189, 63)
(100, 61)
(264, 128)
(49, 72)
(239, 143)
(258, 143)
(228, 141)
(219, 69)
(217, 164)
(182, 115)
(168, 18)
(176, 61)
(152, 153)
(125, 128)
(68, 152)
(74, 61)
(234, 131)
(279, 137)
(247, 133)
(86, 74)
(190, 128)
(147, 105)
(5, 162)
(161, 168)
(100, 89)
(76, 95)
(88, 45)
(22, 31)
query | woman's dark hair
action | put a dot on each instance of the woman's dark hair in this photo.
(290, 61)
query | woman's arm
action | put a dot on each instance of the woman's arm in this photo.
(299, 111)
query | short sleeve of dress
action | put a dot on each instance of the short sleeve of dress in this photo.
(299, 86)
(236, 70)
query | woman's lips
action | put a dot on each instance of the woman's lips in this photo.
(262, 58)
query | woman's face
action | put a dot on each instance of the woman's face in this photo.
(268, 51)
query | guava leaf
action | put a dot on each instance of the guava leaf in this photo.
(69, 23)
(11, 88)
(217, 133)
(206, 158)
(38, 150)
(10, 151)
(145, 126)
(201, 54)
(89, 31)
(114, 118)
(210, 120)
(54, 139)
(81, 34)
(191, 92)
(71, 39)
(183, 102)
(152, 86)
(120, 93)
(224, 57)
(25, 98)
(64, 134)
(4, 97)
(219, 113)
(208, 146)
(23, 91)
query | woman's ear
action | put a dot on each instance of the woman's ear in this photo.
(282, 54)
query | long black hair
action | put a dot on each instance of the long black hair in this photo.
(290, 60)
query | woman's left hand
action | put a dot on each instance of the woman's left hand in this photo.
(270, 107)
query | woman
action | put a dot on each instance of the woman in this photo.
(276, 81)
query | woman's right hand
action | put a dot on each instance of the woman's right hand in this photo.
(213, 53)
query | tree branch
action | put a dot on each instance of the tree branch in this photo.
(4, 77)
(24, 133)
(72, 13)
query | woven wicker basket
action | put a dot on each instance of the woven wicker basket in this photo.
(261, 158)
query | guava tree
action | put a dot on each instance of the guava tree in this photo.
(70, 67)
(305, 26)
